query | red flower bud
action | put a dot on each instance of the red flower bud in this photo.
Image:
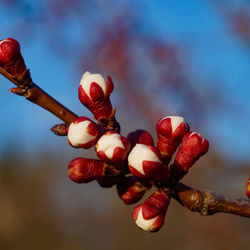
(112, 148)
(108, 181)
(193, 146)
(131, 189)
(11, 58)
(150, 215)
(82, 170)
(145, 162)
(170, 131)
(83, 133)
(248, 188)
(140, 136)
(94, 94)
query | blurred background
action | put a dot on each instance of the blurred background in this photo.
(188, 58)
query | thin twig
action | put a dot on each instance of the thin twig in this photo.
(33, 93)
(209, 203)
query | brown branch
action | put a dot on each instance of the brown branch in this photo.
(208, 203)
(33, 93)
(204, 202)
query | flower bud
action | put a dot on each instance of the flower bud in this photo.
(140, 136)
(94, 94)
(83, 170)
(108, 181)
(170, 131)
(193, 146)
(11, 58)
(131, 189)
(83, 133)
(112, 148)
(150, 215)
(248, 189)
(145, 162)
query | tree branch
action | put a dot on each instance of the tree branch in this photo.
(208, 203)
(33, 93)
(204, 202)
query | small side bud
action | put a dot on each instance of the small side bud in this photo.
(140, 136)
(131, 189)
(150, 215)
(112, 148)
(83, 170)
(170, 131)
(60, 129)
(11, 58)
(145, 162)
(193, 146)
(83, 133)
(248, 189)
(17, 91)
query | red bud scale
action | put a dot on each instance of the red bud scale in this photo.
(150, 215)
(193, 146)
(170, 131)
(11, 58)
(248, 189)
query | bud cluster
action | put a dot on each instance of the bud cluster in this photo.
(133, 163)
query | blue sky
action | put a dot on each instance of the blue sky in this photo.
(213, 51)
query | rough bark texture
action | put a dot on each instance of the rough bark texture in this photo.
(209, 203)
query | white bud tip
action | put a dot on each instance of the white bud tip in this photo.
(78, 134)
(140, 153)
(145, 225)
(175, 122)
(193, 133)
(88, 78)
(108, 143)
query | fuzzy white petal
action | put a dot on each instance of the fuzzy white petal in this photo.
(77, 133)
(88, 78)
(146, 225)
(141, 153)
(108, 143)
(175, 122)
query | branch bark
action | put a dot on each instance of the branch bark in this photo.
(33, 93)
(209, 203)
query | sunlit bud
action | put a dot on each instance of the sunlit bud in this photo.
(94, 93)
(11, 58)
(145, 162)
(170, 131)
(193, 146)
(83, 170)
(112, 147)
(83, 133)
(150, 215)
(131, 189)
(248, 188)
(140, 136)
